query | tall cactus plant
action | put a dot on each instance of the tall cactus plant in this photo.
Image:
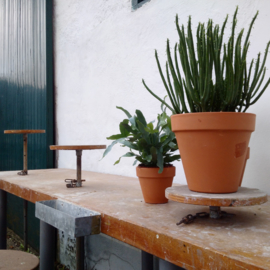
(215, 75)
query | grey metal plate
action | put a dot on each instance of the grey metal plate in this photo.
(72, 219)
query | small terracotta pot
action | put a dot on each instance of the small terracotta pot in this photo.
(153, 184)
(213, 148)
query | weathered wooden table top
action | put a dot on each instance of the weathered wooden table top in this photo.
(238, 242)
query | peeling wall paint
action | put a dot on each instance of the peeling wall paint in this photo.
(102, 51)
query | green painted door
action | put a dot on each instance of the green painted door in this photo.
(26, 94)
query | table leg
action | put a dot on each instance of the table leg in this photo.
(47, 246)
(25, 223)
(80, 253)
(79, 168)
(147, 261)
(3, 219)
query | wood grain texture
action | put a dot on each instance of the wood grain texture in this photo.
(244, 197)
(24, 131)
(77, 147)
(182, 253)
(238, 242)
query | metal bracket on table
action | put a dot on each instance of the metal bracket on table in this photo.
(74, 220)
(72, 183)
(23, 172)
(215, 213)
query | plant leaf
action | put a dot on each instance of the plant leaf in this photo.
(169, 139)
(128, 154)
(153, 152)
(141, 117)
(132, 121)
(162, 120)
(139, 159)
(123, 128)
(130, 145)
(128, 128)
(150, 128)
(173, 145)
(144, 133)
(142, 144)
(146, 156)
(109, 148)
(125, 111)
(116, 137)
(160, 161)
(170, 159)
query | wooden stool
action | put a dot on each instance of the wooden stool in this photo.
(77, 182)
(17, 260)
(24, 132)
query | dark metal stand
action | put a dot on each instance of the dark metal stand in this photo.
(79, 168)
(24, 171)
(25, 224)
(3, 219)
(25, 133)
(147, 261)
(47, 246)
(71, 183)
(80, 253)
(215, 212)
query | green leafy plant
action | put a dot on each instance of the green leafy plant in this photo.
(152, 146)
(215, 75)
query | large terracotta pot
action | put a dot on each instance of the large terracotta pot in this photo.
(213, 148)
(153, 184)
(242, 175)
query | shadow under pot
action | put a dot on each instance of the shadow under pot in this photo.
(153, 184)
(213, 148)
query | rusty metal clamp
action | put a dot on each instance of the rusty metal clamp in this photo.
(190, 218)
(71, 183)
(215, 213)
(186, 220)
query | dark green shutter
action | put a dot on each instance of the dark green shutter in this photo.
(26, 93)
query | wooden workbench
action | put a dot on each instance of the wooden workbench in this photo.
(239, 242)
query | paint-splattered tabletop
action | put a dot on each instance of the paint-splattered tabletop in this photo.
(238, 242)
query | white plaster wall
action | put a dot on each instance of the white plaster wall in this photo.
(103, 50)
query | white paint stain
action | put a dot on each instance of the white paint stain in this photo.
(241, 266)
